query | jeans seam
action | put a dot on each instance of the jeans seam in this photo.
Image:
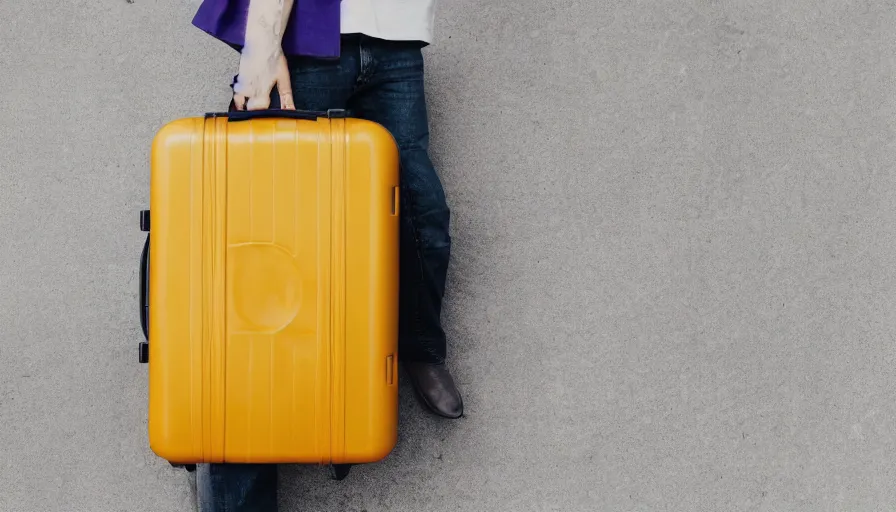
(419, 333)
(418, 317)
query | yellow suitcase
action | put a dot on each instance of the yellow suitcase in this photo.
(270, 289)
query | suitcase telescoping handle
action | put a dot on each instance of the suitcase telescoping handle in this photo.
(245, 115)
(309, 115)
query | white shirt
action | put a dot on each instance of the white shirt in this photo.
(392, 20)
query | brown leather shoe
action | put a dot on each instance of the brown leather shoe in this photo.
(436, 388)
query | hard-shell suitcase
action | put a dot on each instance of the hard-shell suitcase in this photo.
(270, 289)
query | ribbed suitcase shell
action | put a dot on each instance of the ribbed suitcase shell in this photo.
(273, 291)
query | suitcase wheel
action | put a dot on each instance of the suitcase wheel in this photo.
(339, 471)
(189, 467)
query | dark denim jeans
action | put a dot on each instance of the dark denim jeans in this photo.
(381, 81)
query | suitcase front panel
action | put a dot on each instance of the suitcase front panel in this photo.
(370, 365)
(278, 324)
(288, 290)
(185, 379)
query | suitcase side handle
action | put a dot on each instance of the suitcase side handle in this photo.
(144, 289)
(143, 356)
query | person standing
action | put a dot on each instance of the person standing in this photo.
(363, 56)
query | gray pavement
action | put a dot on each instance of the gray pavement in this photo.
(674, 274)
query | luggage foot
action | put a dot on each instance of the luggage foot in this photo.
(189, 467)
(339, 471)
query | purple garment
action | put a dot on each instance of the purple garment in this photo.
(313, 28)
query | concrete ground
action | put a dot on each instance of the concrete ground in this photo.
(672, 289)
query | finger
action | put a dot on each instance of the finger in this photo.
(286, 101)
(239, 101)
(240, 94)
(259, 102)
(284, 86)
